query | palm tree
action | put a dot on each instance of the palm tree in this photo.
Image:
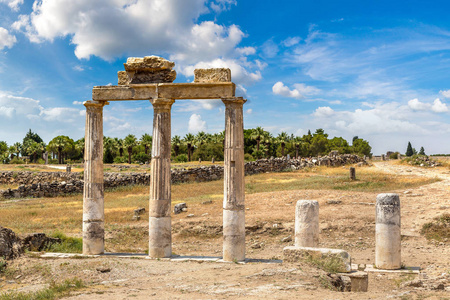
(35, 148)
(129, 142)
(282, 138)
(201, 138)
(268, 140)
(256, 135)
(119, 145)
(79, 145)
(146, 141)
(189, 140)
(59, 143)
(176, 142)
(297, 142)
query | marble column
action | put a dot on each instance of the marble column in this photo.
(93, 198)
(234, 193)
(307, 223)
(160, 227)
(388, 232)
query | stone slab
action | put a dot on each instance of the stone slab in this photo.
(212, 75)
(359, 280)
(149, 91)
(413, 270)
(296, 254)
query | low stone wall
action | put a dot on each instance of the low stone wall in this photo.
(51, 184)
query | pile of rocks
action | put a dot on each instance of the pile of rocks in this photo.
(12, 246)
(423, 161)
(52, 184)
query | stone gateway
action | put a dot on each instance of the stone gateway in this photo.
(150, 78)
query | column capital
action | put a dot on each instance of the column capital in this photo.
(162, 103)
(234, 100)
(92, 103)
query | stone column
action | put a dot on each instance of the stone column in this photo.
(307, 223)
(234, 193)
(93, 198)
(352, 173)
(160, 227)
(387, 232)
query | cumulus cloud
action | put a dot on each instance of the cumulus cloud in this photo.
(13, 106)
(324, 111)
(6, 40)
(249, 111)
(306, 89)
(415, 104)
(196, 124)
(280, 89)
(446, 93)
(221, 5)
(439, 107)
(61, 114)
(13, 4)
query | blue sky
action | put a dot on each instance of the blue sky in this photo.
(376, 69)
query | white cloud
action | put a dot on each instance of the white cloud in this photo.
(61, 114)
(249, 111)
(270, 49)
(6, 40)
(18, 107)
(439, 107)
(306, 89)
(323, 112)
(221, 5)
(280, 89)
(196, 124)
(415, 104)
(77, 103)
(292, 41)
(13, 4)
(446, 93)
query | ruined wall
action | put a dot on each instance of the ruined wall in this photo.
(51, 184)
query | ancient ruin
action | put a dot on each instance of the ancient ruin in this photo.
(150, 78)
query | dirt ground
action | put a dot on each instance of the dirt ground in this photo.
(346, 222)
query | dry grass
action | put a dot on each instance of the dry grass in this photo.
(64, 214)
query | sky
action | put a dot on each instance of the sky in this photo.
(378, 70)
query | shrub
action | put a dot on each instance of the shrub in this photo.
(67, 245)
(394, 155)
(16, 161)
(248, 157)
(141, 157)
(120, 160)
(181, 158)
(53, 161)
(41, 161)
(438, 229)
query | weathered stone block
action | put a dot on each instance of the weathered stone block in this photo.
(339, 259)
(148, 63)
(359, 280)
(212, 75)
(149, 69)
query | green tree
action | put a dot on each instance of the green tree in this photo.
(128, 143)
(409, 150)
(339, 144)
(319, 142)
(256, 135)
(176, 143)
(146, 141)
(35, 149)
(109, 147)
(189, 140)
(61, 144)
(282, 138)
(361, 147)
(422, 151)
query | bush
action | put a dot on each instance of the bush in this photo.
(40, 161)
(109, 157)
(120, 160)
(140, 157)
(438, 229)
(248, 157)
(67, 245)
(208, 151)
(53, 161)
(181, 158)
(394, 155)
(16, 161)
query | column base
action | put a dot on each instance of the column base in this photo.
(93, 238)
(233, 235)
(160, 237)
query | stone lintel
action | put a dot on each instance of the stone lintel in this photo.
(339, 258)
(219, 90)
(95, 103)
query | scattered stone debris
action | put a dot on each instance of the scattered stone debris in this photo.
(12, 246)
(179, 208)
(332, 202)
(138, 212)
